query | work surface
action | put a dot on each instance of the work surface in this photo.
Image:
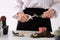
(10, 36)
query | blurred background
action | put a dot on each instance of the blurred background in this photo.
(9, 8)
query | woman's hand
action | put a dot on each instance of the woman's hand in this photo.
(48, 14)
(22, 17)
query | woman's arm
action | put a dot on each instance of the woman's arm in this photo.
(20, 5)
(53, 11)
(20, 14)
(56, 7)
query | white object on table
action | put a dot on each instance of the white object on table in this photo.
(11, 37)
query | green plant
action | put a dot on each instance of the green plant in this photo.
(57, 32)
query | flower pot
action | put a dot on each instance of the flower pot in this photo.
(5, 30)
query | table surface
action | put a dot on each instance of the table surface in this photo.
(10, 36)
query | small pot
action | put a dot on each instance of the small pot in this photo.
(5, 30)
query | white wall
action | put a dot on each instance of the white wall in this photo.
(7, 8)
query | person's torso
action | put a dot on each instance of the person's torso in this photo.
(37, 3)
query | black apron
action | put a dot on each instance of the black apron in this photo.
(33, 25)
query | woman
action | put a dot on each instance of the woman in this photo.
(35, 14)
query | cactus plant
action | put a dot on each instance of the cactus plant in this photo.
(3, 18)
